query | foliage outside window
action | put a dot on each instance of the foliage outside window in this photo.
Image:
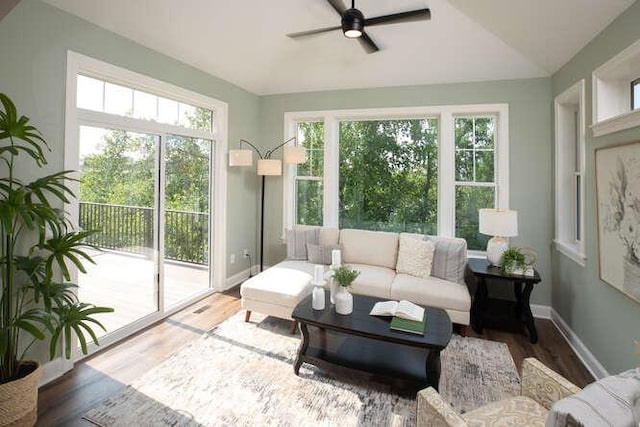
(309, 176)
(389, 175)
(475, 175)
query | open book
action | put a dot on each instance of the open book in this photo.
(403, 309)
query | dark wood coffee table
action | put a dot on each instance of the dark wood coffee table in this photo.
(363, 342)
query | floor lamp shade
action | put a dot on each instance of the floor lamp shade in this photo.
(294, 154)
(240, 157)
(499, 223)
(269, 167)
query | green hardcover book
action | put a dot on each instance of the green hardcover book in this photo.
(405, 325)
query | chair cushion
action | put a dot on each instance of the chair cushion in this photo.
(516, 411)
(431, 291)
(374, 281)
(297, 239)
(281, 284)
(415, 256)
(613, 400)
(369, 247)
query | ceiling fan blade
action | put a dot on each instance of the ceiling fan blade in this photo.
(368, 44)
(338, 6)
(312, 32)
(410, 16)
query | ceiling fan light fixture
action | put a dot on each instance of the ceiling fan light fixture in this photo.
(352, 23)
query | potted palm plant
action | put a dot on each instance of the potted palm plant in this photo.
(37, 247)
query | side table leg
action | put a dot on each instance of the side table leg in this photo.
(433, 368)
(303, 347)
(528, 316)
(479, 305)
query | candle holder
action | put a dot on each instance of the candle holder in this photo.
(318, 297)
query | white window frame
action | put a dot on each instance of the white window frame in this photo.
(446, 155)
(610, 92)
(569, 106)
(76, 117)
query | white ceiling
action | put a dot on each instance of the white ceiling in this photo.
(245, 42)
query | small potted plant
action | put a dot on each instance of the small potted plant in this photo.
(344, 276)
(513, 260)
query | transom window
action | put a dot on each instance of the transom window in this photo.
(425, 170)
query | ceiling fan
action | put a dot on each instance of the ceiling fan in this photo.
(354, 23)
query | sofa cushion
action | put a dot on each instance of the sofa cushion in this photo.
(449, 258)
(297, 239)
(375, 248)
(431, 291)
(519, 410)
(286, 283)
(320, 254)
(329, 236)
(374, 281)
(415, 256)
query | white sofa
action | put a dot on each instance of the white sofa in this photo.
(277, 290)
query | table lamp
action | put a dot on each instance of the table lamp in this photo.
(499, 223)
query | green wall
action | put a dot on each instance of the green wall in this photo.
(604, 319)
(530, 150)
(34, 39)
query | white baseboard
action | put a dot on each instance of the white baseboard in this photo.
(584, 354)
(52, 370)
(541, 311)
(238, 278)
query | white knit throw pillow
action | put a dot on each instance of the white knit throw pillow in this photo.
(415, 256)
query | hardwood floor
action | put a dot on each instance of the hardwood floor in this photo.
(63, 401)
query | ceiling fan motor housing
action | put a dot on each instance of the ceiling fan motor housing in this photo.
(352, 23)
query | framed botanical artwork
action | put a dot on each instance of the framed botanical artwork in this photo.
(618, 204)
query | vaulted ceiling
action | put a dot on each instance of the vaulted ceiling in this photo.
(245, 42)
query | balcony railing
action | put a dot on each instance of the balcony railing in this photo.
(131, 229)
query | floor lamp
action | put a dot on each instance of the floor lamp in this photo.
(267, 167)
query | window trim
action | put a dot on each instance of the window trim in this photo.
(572, 248)
(446, 155)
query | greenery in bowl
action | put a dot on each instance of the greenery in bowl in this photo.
(37, 247)
(512, 259)
(345, 275)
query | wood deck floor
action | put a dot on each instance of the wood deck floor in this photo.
(65, 400)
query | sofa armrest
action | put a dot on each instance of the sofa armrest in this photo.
(433, 411)
(544, 385)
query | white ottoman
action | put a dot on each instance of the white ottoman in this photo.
(275, 292)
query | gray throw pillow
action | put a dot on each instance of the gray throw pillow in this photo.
(297, 240)
(320, 254)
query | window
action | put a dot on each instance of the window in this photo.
(612, 111)
(475, 175)
(424, 170)
(308, 180)
(570, 164)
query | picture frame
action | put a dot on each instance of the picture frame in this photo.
(618, 216)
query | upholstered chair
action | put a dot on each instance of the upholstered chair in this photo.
(541, 388)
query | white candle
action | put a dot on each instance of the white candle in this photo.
(336, 257)
(318, 274)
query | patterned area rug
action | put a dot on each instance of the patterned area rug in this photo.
(241, 374)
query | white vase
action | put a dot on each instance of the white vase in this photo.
(344, 301)
(333, 290)
(317, 298)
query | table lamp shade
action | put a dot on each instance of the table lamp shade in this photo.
(498, 222)
(240, 157)
(294, 154)
(269, 167)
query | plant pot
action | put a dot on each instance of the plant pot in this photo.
(344, 301)
(19, 398)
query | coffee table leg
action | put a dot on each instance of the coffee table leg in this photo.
(303, 347)
(433, 368)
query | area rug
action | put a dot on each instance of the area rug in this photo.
(241, 374)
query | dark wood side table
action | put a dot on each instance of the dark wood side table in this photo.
(490, 312)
